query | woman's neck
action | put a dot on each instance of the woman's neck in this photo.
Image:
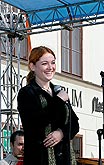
(43, 85)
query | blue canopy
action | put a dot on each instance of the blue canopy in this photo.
(46, 13)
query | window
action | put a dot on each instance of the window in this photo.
(71, 48)
(21, 47)
(78, 145)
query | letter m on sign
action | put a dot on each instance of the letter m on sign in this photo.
(76, 99)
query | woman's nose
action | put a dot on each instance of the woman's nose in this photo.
(50, 66)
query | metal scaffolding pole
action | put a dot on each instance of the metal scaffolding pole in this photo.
(0, 104)
(9, 78)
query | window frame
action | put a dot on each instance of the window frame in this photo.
(70, 72)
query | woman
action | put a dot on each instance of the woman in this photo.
(45, 113)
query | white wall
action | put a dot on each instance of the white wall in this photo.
(93, 53)
(93, 49)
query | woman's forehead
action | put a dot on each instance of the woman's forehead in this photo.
(47, 56)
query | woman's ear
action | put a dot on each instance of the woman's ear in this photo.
(32, 67)
(11, 145)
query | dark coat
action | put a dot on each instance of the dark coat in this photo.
(36, 114)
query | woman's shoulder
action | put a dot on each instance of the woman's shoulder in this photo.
(29, 89)
(24, 88)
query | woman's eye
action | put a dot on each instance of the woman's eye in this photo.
(44, 63)
(53, 62)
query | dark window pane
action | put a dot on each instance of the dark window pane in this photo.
(71, 51)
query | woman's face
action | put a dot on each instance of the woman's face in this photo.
(45, 68)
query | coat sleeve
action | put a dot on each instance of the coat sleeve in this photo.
(74, 124)
(71, 127)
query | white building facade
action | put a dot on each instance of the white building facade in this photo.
(85, 92)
